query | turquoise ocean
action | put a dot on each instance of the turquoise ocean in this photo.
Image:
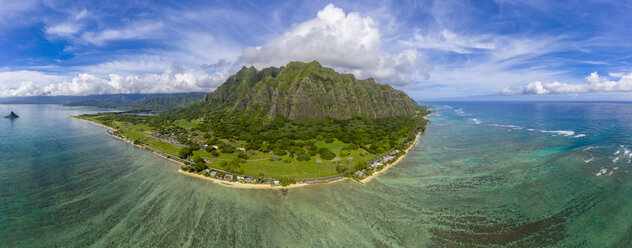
(485, 174)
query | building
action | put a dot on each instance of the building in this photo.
(277, 182)
(228, 177)
(359, 174)
(213, 173)
(241, 149)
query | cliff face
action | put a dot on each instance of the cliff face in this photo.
(310, 90)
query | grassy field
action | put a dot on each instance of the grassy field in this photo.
(187, 124)
(164, 147)
(258, 163)
(336, 145)
(261, 164)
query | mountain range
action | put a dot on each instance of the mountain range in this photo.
(309, 90)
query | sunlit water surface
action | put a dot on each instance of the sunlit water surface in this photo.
(484, 174)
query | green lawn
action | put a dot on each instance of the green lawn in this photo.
(187, 124)
(134, 134)
(164, 147)
(260, 164)
(336, 145)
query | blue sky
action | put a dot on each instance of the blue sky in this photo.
(430, 49)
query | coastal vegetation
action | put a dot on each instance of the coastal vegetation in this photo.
(294, 123)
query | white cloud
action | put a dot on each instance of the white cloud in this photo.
(512, 61)
(69, 27)
(88, 84)
(449, 41)
(136, 31)
(594, 84)
(10, 79)
(346, 42)
(12, 13)
(63, 29)
(128, 65)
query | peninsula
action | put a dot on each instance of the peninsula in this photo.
(296, 125)
(12, 116)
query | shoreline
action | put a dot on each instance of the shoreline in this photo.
(369, 178)
(131, 143)
(240, 185)
(94, 123)
(215, 180)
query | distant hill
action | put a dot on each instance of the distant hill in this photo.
(152, 102)
(309, 90)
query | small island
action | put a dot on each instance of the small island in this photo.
(12, 116)
(292, 126)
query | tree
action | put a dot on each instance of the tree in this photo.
(198, 159)
(243, 155)
(326, 153)
(280, 152)
(209, 148)
(228, 149)
(199, 166)
(184, 152)
(341, 168)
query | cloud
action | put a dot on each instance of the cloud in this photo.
(449, 41)
(347, 42)
(512, 61)
(135, 31)
(9, 79)
(88, 84)
(594, 84)
(63, 29)
(220, 63)
(69, 27)
(12, 13)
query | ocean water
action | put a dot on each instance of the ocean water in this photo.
(484, 175)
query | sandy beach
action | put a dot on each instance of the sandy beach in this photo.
(369, 178)
(254, 186)
(98, 124)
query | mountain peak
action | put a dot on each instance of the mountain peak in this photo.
(309, 90)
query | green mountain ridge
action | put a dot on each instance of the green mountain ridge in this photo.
(309, 90)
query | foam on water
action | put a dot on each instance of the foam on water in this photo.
(602, 171)
(559, 132)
